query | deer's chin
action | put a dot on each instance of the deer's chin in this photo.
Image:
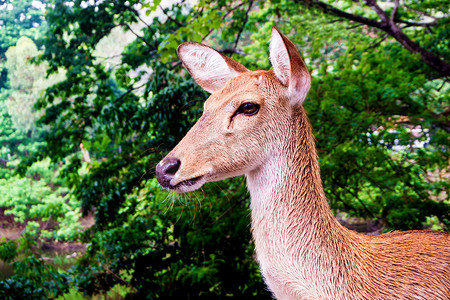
(188, 185)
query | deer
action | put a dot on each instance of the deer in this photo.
(254, 124)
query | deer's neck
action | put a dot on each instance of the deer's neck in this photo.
(298, 241)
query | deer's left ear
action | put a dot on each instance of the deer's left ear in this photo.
(289, 67)
(210, 69)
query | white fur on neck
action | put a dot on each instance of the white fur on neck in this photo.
(288, 249)
(263, 181)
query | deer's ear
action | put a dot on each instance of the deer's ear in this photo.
(289, 67)
(210, 69)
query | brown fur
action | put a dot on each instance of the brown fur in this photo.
(304, 253)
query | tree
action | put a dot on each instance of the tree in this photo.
(27, 82)
(117, 125)
(39, 201)
(17, 19)
(366, 100)
(395, 19)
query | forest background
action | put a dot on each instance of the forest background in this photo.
(92, 96)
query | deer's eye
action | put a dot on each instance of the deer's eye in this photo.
(248, 108)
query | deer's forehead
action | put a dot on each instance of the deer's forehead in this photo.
(230, 101)
(240, 89)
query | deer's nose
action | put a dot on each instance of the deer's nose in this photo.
(166, 170)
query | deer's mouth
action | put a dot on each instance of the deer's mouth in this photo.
(188, 185)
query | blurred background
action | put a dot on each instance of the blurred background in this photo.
(92, 96)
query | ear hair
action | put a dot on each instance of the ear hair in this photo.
(289, 67)
(279, 57)
(209, 68)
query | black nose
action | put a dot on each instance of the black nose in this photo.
(166, 170)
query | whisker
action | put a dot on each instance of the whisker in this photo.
(150, 171)
(150, 150)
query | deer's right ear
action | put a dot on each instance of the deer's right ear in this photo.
(289, 67)
(210, 69)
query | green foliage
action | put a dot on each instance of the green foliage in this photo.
(8, 250)
(33, 278)
(39, 196)
(17, 19)
(39, 200)
(117, 121)
(27, 81)
(176, 252)
(365, 104)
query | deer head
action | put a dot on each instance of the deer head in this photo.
(254, 124)
(245, 120)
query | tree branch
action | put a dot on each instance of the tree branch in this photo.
(383, 38)
(243, 23)
(420, 12)
(394, 10)
(138, 36)
(331, 10)
(383, 16)
(387, 25)
(392, 29)
(169, 17)
(410, 24)
(229, 51)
